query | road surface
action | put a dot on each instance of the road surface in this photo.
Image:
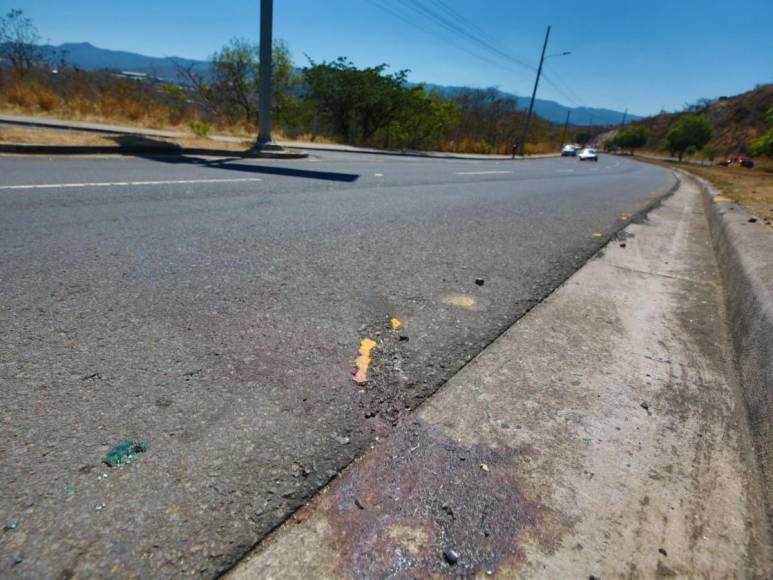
(215, 308)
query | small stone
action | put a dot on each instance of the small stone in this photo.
(451, 557)
(484, 467)
(645, 405)
(100, 506)
(480, 281)
(622, 245)
(662, 551)
(664, 571)
(752, 220)
(101, 476)
(358, 503)
(447, 508)
(16, 561)
(12, 524)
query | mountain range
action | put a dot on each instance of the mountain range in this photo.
(88, 57)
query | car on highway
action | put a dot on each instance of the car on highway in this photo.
(740, 160)
(744, 161)
(588, 154)
(568, 151)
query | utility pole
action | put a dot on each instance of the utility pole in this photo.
(566, 126)
(625, 116)
(264, 141)
(533, 95)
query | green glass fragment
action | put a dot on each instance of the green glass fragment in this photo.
(124, 452)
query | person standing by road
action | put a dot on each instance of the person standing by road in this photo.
(515, 147)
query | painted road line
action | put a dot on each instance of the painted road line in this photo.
(131, 183)
(565, 171)
(480, 172)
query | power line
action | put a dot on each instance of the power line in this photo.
(460, 27)
(423, 10)
(386, 8)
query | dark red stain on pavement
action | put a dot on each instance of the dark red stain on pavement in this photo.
(421, 493)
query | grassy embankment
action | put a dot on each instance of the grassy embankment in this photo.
(120, 102)
(752, 188)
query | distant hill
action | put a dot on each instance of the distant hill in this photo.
(737, 120)
(86, 56)
(553, 111)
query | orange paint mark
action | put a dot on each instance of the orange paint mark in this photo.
(362, 362)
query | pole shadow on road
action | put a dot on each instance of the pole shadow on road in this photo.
(238, 164)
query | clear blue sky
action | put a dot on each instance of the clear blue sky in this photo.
(625, 53)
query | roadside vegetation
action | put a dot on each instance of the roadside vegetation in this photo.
(751, 187)
(322, 101)
(709, 132)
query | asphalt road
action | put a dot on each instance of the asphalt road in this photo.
(214, 308)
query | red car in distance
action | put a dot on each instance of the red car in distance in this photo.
(740, 160)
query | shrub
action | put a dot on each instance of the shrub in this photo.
(688, 131)
(199, 128)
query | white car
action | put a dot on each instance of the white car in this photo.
(588, 154)
(568, 151)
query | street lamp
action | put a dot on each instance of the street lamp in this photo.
(264, 141)
(534, 92)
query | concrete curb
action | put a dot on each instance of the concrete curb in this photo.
(35, 149)
(24, 148)
(744, 249)
(413, 153)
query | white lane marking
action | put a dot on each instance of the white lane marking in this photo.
(379, 174)
(480, 172)
(131, 183)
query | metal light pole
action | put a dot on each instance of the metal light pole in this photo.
(534, 92)
(264, 141)
(533, 95)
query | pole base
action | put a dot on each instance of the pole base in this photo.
(267, 146)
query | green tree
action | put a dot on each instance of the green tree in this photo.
(688, 130)
(631, 138)
(232, 89)
(583, 136)
(764, 144)
(422, 119)
(356, 103)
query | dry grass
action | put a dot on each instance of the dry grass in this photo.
(752, 188)
(60, 137)
(126, 103)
